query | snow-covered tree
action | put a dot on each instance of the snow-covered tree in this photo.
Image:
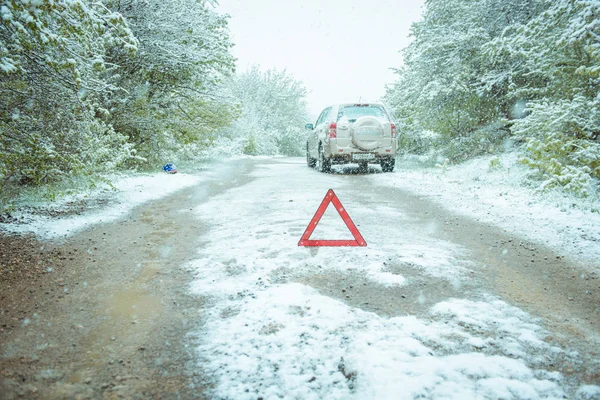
(273, 113)
(88, 85)
(479, 70)
(54, 74)
(556, 59)
(439, 88)
(171, 97)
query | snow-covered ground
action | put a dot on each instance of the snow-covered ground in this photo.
(288, 341)
(268, 335)
(499, 196)
(102, 205)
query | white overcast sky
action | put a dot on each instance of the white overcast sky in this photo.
(341, 49)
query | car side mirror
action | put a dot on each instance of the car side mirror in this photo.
(310, 127)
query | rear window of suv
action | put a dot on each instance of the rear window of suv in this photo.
(353, 112)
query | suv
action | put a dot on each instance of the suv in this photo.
(352, 133)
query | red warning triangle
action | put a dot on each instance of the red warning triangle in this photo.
(331, 197)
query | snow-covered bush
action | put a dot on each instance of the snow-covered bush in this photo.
(562, 143)
(273, 113)
(488, 139)
(54, 74)
(484, 71)
(416, 141)
(556, 56)
(440, 87)
(89, 86)
(495, 164)
(172, 106)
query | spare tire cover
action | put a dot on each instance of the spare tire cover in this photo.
(367, 133)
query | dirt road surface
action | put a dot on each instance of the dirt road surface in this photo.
(108, 312)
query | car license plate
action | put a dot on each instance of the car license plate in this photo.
(366, 130)
(363, 156)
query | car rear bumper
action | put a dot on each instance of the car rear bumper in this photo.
(344, 154)
(348, 159)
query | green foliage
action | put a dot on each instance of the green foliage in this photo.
(89, 86)
(495, 164)
(172, 107)
(250, 148)
(53, 76)
(439, 88)
(273, 114)
(562, 144)
(489, 139)
(481, 72)
(558, 55)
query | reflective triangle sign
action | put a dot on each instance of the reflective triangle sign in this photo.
(331, 197)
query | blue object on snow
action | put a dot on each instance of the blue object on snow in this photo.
(170, 168)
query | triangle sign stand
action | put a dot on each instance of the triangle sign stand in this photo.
(331, 197)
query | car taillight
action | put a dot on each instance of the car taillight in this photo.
(393, 131)
(332, 130)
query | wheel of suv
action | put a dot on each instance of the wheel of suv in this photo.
(311, 162)
(323, 164)
(388, 165)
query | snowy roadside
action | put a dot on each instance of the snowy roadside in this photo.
(497, 196)
(73, 213)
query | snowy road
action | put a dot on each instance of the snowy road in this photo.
(412, 315)
(205, 293)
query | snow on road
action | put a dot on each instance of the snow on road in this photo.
(130, 192)
(266, 335)
(498, 196)
(271, 332)
(288, 341)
